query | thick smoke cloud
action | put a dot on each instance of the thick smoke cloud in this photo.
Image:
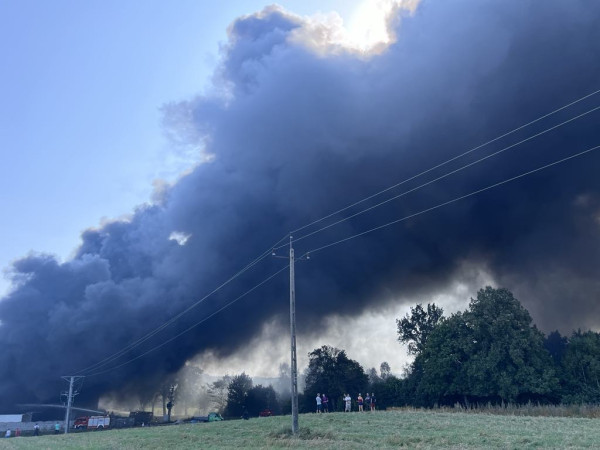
(292, 134)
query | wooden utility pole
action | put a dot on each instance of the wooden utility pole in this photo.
(294, 367)
(71, 379)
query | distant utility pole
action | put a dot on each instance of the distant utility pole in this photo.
(71, 379)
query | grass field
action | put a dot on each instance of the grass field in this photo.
(394, 429)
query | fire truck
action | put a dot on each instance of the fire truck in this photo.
(92, 423)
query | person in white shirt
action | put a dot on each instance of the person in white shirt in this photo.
(318, 399)
(348, 401)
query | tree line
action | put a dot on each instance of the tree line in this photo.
(493, 353)
(329, 371)
(489, 353)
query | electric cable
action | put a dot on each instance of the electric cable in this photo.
(447, 161)
(192, 326)
(266, 253)
(441, 177)
(157, 330)
(500, 183)
(455, 199)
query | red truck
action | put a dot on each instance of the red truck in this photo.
(92, 423)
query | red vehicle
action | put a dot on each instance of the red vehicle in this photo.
(92, 423)
(81, 422)
(265, 413)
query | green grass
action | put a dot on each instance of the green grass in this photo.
(394, 429)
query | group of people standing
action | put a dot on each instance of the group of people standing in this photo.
(322, 403)
(36, 431)
(369, 401)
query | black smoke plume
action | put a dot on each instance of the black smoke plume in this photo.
(292, 134)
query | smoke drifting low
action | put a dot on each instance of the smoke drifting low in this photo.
(289, 135)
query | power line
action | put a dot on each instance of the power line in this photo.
(151, 334)
(445, 162)
(192, 326)
(266, 253)
(508, 180)
(442, 176)
(455, 199)
(175, 318)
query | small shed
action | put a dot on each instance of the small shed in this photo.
(12, 418)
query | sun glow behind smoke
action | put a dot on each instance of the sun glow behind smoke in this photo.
(368, 30)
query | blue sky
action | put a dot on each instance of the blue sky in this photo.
(82, 85)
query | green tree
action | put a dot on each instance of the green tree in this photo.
(556, 345)
(440, 374)
(390, 391)
(491, 352)
(330, 371)
(190, 388)
(260, 398)
(218, 392)
(384, 370)
(414, 329)
(581, 368)
(373, 376)
(237, 393)
(167, 391)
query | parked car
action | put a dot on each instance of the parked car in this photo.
(212, 417)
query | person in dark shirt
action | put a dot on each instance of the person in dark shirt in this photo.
(373, 401)
(325, 402)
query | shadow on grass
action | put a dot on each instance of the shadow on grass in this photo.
(304, 434)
